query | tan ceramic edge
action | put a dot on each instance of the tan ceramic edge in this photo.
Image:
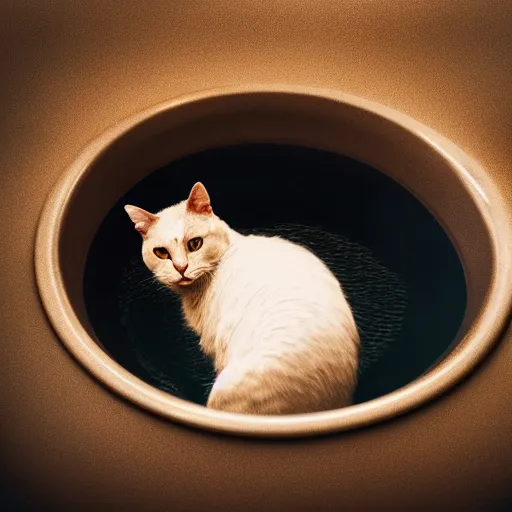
(480, 339)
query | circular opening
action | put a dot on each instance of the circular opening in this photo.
(407, 289)
(403, 218)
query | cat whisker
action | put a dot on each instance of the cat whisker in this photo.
(206, 270)
(147, 279)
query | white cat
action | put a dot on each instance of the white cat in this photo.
(269, 313)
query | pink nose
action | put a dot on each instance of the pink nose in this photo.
(180, 267)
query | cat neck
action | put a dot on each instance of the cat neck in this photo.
(194, 294)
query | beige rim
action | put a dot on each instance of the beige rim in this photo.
(482, 335)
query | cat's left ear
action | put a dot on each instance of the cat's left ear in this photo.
(142, 219)
(199, 201)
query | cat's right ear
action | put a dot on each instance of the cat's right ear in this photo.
(142, 219)
(199, 201)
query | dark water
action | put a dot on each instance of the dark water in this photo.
(399, 270)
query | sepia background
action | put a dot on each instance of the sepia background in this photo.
(70, 70)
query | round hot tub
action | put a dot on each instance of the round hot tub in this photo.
(413, 229)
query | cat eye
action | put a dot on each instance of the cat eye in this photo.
(194, 244)
(162, 253)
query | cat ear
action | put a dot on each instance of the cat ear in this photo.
(199, 201)
(142, 219)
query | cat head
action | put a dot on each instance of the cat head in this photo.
(184, 242)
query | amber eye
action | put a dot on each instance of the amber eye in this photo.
(161, 252)
(194, 244)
